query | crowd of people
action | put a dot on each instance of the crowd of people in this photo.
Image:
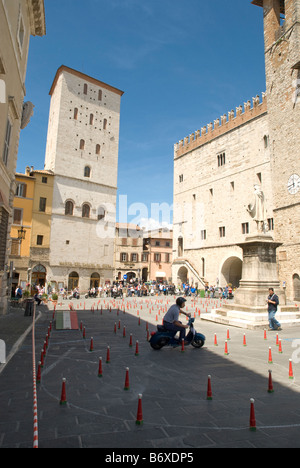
(134, 288)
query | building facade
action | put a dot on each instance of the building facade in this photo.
(32, 213)
(82, 152)
(128, 252)
(158, 246)
(256, 145)
(19, 19)
(282, 56)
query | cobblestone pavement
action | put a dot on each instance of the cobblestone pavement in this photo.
(173, 384)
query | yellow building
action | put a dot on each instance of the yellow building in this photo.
(32, 209)
(22, 220)
(41, 227)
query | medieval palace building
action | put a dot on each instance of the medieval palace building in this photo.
(257, 145)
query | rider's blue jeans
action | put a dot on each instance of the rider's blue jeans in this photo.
(174, 328)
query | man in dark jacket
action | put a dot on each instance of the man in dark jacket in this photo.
(273, 303)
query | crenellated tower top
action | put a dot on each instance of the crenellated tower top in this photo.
(222, 125)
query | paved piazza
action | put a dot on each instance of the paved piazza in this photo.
(175, 411)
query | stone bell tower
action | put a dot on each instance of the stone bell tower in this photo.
(282, 59)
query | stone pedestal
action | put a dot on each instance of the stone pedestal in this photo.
(259, 273)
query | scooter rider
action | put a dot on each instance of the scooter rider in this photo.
(171, 319)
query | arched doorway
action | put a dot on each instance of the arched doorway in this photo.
(73, 281)
(95, 280)
(231, 272)
(182, 275)
(38, 276)
(130, 276)
(145, 274)
(296, 287)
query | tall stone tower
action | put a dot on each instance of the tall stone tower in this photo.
(282, 58)
(82, 151)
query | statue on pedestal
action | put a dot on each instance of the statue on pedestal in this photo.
(257, 210)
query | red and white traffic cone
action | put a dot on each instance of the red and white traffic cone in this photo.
(252, 416)
(139, 417)
(244, 340)
(108, 355)
(216, 341)
(92, 345)
(130, 340)
(209, 391)
(226, 349)
(270, 388)
(63, 398)
(137, 348)
(100, 371)
(280, 347)
(126, 386)
(182, 345)
(39, 373)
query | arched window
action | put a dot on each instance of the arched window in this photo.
(104, 124)
(101, 212)
(87, 171)
(75, 113)
(98, 149)
(82, 144)
(85, 88)
(91, 119)
(69, 208)
(86, 210)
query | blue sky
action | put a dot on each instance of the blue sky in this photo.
(181, 64)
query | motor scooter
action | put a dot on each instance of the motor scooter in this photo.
(164, 337)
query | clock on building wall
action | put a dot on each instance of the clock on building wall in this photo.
(294, 184)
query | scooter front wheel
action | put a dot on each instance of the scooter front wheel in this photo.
(197, 343)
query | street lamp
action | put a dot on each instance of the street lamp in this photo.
(21, 234)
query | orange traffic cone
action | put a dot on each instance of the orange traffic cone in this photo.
(270, 356)
(291, 374)
(226, 349)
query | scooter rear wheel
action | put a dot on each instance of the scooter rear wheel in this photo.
(160, 343)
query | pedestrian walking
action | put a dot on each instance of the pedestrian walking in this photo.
(273, 303)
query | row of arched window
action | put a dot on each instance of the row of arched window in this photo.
(82, 147)
(85, 210)
(91, 119)
(85, 91)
